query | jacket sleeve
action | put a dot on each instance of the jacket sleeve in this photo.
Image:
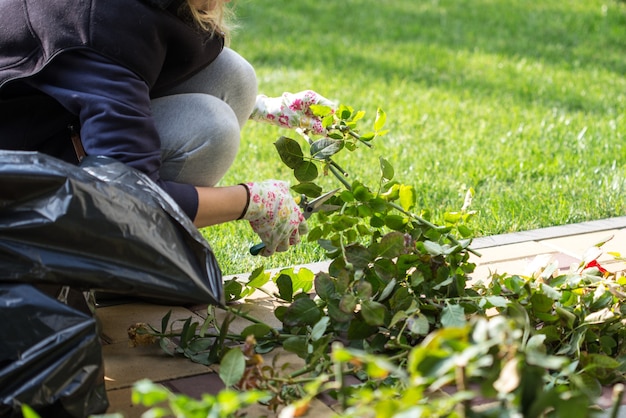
(113, 106)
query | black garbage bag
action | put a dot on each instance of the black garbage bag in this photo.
(101, 226)
(50, 356)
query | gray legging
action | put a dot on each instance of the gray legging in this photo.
(199, 121)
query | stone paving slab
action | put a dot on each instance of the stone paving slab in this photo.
(550, 232)
(579, 244)
(116, 319)
(120, 401)
(509, 252)
(125, 365)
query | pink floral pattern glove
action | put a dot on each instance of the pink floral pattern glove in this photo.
(274, 215)
(291, 110)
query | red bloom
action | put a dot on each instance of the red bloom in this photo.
(594, 263)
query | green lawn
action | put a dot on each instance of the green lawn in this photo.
(524, 101)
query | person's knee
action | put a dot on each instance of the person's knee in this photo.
(241, 70)
(216, 124)
(206, 143)
(242, 85)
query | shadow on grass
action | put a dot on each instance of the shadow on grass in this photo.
(435, 42)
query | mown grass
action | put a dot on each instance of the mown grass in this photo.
(523, 101)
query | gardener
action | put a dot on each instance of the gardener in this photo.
(150, 83)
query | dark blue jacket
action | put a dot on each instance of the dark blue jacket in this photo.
(95, 64)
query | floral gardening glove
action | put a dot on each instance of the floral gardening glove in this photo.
(274, 215)
(291, 110)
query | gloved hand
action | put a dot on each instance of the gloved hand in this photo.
(274, 215)
(291, 110)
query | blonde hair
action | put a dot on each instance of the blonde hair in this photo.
(212, 16)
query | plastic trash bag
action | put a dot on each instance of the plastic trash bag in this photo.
(101, 226)
(50, 356)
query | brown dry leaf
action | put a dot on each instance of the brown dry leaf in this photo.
(138, 335)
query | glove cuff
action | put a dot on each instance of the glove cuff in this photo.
(245, 208)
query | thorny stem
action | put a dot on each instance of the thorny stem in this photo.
(234, 337)
(343, 172)
(358, 137)
(339, 176)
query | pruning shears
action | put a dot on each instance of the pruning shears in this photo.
(308, 208)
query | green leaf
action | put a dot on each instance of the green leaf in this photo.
(148, 393)
(344, 112)
(319, 329)
(324, 286)
(497, 301)
(386, 168)
(359, 330)
(302, 280)
(343, 222)
(377, 222)
(381, 119)
(324, 148)
(433, 248)
(285, 287)
(347, 303)
(368, 136)
(378, 204)
(361, 193)
(188, 332)
(314, 234)
(407, 197)
(396, 222)
(232, 290)
(165, 322)
(387, 290)
(401, 299)
(320, 110)
(600, 316)
(307, 171)
(385, 269)
(336, 313)
(566, 316)
(373, 312)
(280, 312)
(257, 330)
(232, 367)
(398, 317)
(390, 246)
(289, 151)
(308, 189)
(542, 360)
(358, 255)
(297, 345)
(541, 303)
(258, 277)
(303, 311)
(601, 361)
(200, 344)
(418, 324)
(363, 289)
(607, 343)
(551, 332)
(550, 292)
(28, 412)
(453, 316)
